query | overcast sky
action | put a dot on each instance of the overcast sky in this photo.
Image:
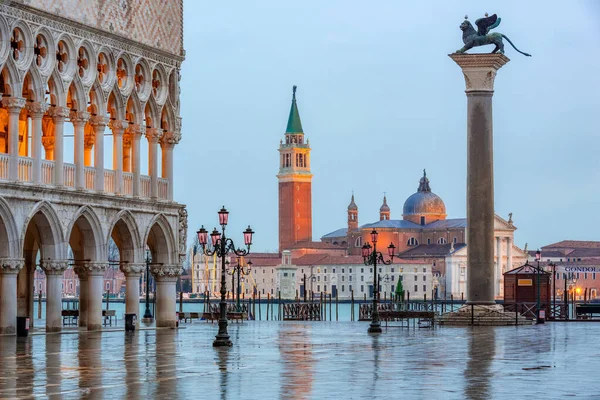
(379, 101)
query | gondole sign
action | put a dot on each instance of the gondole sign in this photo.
(525, 282)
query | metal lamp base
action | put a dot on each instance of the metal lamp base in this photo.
(374, 328)
(222, 341)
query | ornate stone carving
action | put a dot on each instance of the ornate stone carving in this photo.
(48, 142)
(54, 267)
(480, 70)
(95, 267)
(37, 109)
(79, 117)
(11, 265)
(59, 113)
(13, 104)
(97, 120)
(81, 272)
(136, 129)
(171, 138)
(183, 227)
(133, 269)
(166, 271)
(118, 126)
(89, 140)
(153, 134)
(127, 139)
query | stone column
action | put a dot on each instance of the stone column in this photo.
(54, 270)
(166, 294)
(479, 71)
(8, 299)
(509, 260)
(132, 288)
(498, 267)
(118, 128)
(95, 272)
(48, 143)
(89, 140)
(168, 142)
(153, 135)
(59, 114)
(99, 124)
(14, 106)
(37, 111)
(136, 132)
(81, 272)
(79, 119)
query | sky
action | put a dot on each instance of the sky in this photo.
(380, 100)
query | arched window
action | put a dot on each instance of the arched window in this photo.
(442, 240)
(412, 242)
(358, 242)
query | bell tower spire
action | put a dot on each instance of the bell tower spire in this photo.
(295, 183)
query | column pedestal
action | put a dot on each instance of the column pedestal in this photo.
(95, 272)
(8, 294)
(166, 294)
(54, 270)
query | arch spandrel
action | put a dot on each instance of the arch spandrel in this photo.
(160, 238)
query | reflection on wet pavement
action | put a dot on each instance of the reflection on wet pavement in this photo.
(305, 361)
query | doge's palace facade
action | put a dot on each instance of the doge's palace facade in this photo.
(105, 73)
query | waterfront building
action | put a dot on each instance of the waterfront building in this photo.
(88, 93)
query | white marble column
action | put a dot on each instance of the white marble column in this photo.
(13, 106)
(54, 270)
(99, 124)
(37, 111)
(136, 132)
(59, 114)
(498, 269)
(168, 142)
(95, 271)
(132, 288)
(79, 119)
(118, 128)
(166, 294)
(509, 260)
(153, 135)
(82, 274)
(9, 268)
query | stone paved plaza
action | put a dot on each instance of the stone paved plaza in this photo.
(272, 360)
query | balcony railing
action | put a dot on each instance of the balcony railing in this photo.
(25, 174)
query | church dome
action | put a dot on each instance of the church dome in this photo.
(424, 203)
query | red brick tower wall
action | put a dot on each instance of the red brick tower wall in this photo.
(295, 213)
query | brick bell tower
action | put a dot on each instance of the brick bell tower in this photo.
(295, 205)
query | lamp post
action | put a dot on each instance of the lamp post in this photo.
(538, 257)
(240, 271)
(222, 246)
(553, 312)
(147, 314)
(312, 278)
(372, 258)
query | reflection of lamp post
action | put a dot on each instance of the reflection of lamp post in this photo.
(538, 257)
(240, 271)
(221, 246)
(371, 258)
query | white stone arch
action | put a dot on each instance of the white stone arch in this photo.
(152, 111)
(167, 118)
(46, 63)
(11, 78)
(35, 86)
(48, 232)
(160, 239)
(86, 223)
(9, 235)
(131, 249)
(134, 106)
(68, 67)
(4, 44)
(97, 99)
(115, 106)
(105, 63)
(58, 92)
(77, 94)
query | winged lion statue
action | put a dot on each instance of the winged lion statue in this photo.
(481, 36)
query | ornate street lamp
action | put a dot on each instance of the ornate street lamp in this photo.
(222, 246)
(147, 314)
(239, 269)
(372, 258)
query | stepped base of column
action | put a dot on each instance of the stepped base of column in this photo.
(483, 315)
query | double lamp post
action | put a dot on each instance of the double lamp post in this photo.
(223, 246)
(240, 271)
(372, 257)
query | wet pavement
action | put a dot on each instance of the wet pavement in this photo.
(318, 360)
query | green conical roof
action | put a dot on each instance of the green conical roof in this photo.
(294, 124)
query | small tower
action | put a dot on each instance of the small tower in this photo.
(295, 187)
(384, 210)
(352, 215)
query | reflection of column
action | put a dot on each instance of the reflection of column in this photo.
(8, 366)
(297, 375)
(99, 124)
(479, 71)
(54, 270)
(136, 132)
(90, 362)
(168, 141)
(166, 278)
(8, 300)
(81, 272)
(132, 366)
(59, 114)
(482, 350)
(24, 376)
(132, 287)
(153, 135)
(79, 119)
(118, 127)
(14, 106)
(37, 111)
(95, 291)
(53, 368)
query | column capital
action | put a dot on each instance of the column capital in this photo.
(54, 267)
(154, 134)
(59, 113)
(79, 117)
(81, 271)
(167, 271)
(98, 120)
(170, 138)
(133, 269)
(37, 109)
(136, 130)
(13, 104)
(95, 268)
(118, 126)
(11, 265)
(479, 69)
(89, 139)
(48, 142)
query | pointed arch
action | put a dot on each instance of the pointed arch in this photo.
(124, 231)
(86, 224)
(10, 78)
(33, 86)
(151, 114)
(97, 99)
(115, 106)
(134, 110)
(58, 92)
(161, 241)
(77, 96)
(167, 120)
(9, 236)
(43, 221)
